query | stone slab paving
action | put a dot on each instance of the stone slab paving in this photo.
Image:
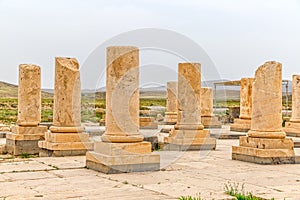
(182, 173)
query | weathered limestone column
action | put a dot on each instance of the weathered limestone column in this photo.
(243, 124)
(266, 142)
(207, 109)
(292, 128)
(66, 137)
(172, 103)
(26, 134)
(122, 148)
(188, 133)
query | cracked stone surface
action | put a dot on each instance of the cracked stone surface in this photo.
(182, 173)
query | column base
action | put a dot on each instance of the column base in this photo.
(170, 118)
(113, 158)
(210, 122)
(65, 144)
(148, 123)
(241, 125)
(24, 140)
(292, 129)
(189, 140)
(265, 151)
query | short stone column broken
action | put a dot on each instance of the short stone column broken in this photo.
(66, 137)
(207, 109)
(243, 123)
(122, 148)
(148, 123)
(292, 128)
(25, 135)
(188, 133)
(171, 104)
(266, 142)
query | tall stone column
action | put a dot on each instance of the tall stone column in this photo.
(66, 137)
(26, 134)
(188, 133)
(292, 128)
(172, 103)
(243, 124)
(207, 109)
(266, 142)
(122, 148)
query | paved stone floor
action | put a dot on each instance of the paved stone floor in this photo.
(187, 173)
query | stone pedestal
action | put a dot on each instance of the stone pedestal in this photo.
(266, 142)
(207, 109)
(292, 128)
(243, 124)
(172, 103)
(66, 137)
(25, 135)
(148, 123)
(122, 148)
(188, 133)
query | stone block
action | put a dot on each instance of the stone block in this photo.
(148, 125)
(29, 130)
(146, 119)
(115, 149)
(268, 153)
(122, 163)
(27, 137)
(66, 137)
(265, 160)
(19, 147)
(66, 146)
(61, 153)
(241, 125)
(292, 129)
(189, 133)
(266, 143)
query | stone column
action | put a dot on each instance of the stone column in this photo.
(66, 137)
(122, 148)
(188, 133)
(26, 134)
(172, 104)
(266, 142)
(292, 128)
(207, 109)
(243, 124)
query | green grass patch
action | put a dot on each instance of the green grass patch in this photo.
(197, 197)
(238, 191)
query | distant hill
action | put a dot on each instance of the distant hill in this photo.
(8, 90)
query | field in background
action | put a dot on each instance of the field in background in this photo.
(89, 107)
(94, 104)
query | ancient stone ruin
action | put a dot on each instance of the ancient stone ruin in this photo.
(122, 148)
(188, 133)
(171, 104)
(27, 132)
(292, 128)
(207, 109)
(66, 136)
(266, 142)
(243, 123)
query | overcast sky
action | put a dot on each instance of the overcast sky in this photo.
(238, 36)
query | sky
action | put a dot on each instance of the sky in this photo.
(237, 36)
